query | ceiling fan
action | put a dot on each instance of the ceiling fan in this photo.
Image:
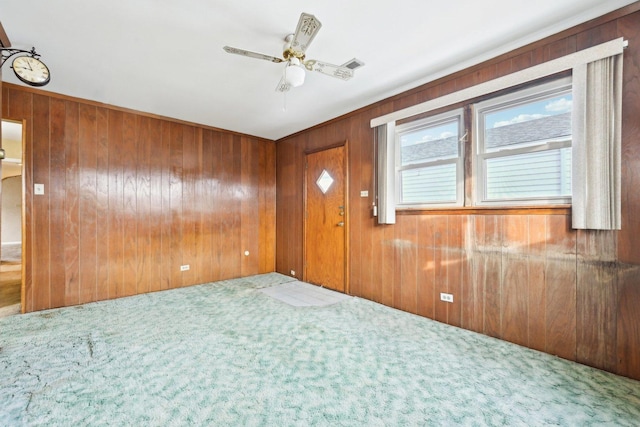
(294, 52)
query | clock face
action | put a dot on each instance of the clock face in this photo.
(31, 71)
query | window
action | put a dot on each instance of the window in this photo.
(524, 146)
(429, 164)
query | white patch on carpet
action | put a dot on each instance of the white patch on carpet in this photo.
(301, 294)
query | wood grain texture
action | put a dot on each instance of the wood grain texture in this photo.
(629, 244)
(41, 204)
(189, 214)
(115, 222)
(102, 204)
(408, 264)
(250, 201)
(87, 206)
(440, 247)
(144, 250)
(456, 266)
(129, 156)
(426, 289)
(519, 274)
(129, 198)
(71, 207)
(57, 184)
(166, 268)
(472, 289)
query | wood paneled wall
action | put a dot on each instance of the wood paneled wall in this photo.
(522, 276)
(130, 198)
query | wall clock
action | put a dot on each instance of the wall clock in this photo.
(31, 70)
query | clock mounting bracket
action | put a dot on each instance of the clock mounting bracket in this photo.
(9, 52)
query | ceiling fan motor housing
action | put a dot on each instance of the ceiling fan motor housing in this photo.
(288, 53)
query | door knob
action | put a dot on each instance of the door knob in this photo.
(340, 224)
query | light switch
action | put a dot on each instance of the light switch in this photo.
(38, 189)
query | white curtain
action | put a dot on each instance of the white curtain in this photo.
(596, 152)
(385, 174)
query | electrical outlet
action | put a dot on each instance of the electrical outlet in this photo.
(184, 267)
(446, 297)
(293, 273)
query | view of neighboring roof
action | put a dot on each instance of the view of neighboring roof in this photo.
(542, 129)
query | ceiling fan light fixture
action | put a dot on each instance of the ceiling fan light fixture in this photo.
(294, 75)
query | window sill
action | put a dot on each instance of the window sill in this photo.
(489, 210)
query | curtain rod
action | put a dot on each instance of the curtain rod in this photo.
(554, 66)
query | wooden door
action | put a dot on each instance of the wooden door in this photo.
(326, 218)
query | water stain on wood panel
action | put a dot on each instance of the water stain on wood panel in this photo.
(596, 320)
(440, 246)
(560, 311)
(426, 292)
(627, 325)
(408, 264)
(514, 301)
(536, 304)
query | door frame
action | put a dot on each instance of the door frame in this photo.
(345, 144)
(23, 208)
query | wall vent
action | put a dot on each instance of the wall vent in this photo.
(353, 64)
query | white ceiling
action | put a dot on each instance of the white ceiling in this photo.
(165, 57)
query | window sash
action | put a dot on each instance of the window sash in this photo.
(482, 155)
(433, 189)
(458, 162)
(557, 176)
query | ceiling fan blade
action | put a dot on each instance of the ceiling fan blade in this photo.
(336, 71)
(308, 27)
(283, 86)
(250, 54)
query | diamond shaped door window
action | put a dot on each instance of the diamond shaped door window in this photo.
(324, 181)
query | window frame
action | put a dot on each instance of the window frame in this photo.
(413, 126)
(478, 164)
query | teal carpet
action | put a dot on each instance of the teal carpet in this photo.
(226, 354)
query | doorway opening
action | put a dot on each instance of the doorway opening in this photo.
(11, 220)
